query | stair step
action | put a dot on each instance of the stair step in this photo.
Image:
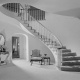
(51, 43)
(33, 30)
(70, 58)
(53, 46)
(29, 27)
(65, 50)
(70, 63)
(43, 37)
(68, 54)
(46, 40)
(37, 33)
(63, 47)
(25, 22)
(73, 69)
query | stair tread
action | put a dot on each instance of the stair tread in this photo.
(71, 58)
(65, 50)
(70, 63)
(69, 68)
(69, 54)
(63, 47)
(54, 46)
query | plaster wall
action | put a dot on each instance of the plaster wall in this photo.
(67, 30)
(10, 27)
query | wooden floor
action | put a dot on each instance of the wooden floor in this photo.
(22, 70)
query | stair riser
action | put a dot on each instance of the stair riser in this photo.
(37, 34)
(29, 27)
(70, 63)
(69, 54)
(74, 69)
(65, 50)
(71, 59)
(62, 47)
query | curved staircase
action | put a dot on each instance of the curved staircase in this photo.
(65, 60)
(70, 61)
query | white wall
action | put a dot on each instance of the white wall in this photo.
(37, 44)
(48, 5)
(9, 30)
(67, 29)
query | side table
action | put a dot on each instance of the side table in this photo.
(46, 58)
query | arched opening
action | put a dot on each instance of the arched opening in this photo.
(20, 46)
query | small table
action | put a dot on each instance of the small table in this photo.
(46, 58)
(3, 57)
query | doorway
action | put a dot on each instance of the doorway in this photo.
(15, 47)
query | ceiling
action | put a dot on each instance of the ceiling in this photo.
(60, 7)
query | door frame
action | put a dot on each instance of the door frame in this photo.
(17, 49)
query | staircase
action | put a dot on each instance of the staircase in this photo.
(65, 60)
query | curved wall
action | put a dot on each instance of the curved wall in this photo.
(67, 29)
(9, 27)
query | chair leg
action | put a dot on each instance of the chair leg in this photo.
(41, 62)
(31, 63)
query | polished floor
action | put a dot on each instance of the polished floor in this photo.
(22, 70)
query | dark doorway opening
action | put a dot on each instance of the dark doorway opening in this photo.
(15, 47)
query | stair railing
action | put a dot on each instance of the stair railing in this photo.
(45, 34)
(41, 29)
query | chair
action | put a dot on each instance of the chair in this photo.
(36, 56)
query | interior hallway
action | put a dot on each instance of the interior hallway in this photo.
(22, 70)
